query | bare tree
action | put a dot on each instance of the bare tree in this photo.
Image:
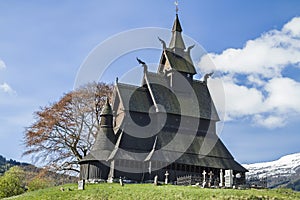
(64, 131)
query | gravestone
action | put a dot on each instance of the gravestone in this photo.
(81, 184)
(155, 180)
(221, 178)
(204, 178)
(228, 178)
(210, 178)
(121, 181)
(166, 179)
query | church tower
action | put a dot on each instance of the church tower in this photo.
(176, 60)
(95, 165)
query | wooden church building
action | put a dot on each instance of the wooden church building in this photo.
(164, 127)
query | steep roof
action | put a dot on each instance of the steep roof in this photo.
(176, 40)
(205, 150)
(134, 98)
(161, 150)
(140, 99)
(103, 146)
(105, 139)
(179, 63)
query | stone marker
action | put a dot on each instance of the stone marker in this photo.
(81, 184)
(221, 178)
(155, 180)
(228, 178)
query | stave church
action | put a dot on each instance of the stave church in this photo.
(166, 126)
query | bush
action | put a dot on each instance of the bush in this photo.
(38, 183)
(12, 182)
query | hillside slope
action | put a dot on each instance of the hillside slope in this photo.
(149, 192)
(279, 173)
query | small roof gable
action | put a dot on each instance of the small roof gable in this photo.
(134, 98)
(177, 62)
(180, 63)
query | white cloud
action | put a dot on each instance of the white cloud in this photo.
(6, 88)
(2, 64)
(253, 83)
(293, 27)
(270, 121)
(283, 95)
(239, 100)
(256, 80)
(266, 55)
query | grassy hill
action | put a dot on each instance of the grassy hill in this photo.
(149, 192)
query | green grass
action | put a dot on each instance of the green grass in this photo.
(148, 192)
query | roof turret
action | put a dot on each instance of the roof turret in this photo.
(177, 42)
(106, 109)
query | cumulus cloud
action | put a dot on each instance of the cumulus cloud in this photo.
(270, 122)
(283, 95)
(267, 55)
(4, 87)
(252, 77)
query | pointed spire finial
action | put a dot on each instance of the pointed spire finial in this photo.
(176, 4)
(106, 110)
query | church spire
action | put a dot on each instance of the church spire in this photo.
(106, 115)
(177, 43)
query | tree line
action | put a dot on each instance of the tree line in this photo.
(6, 164)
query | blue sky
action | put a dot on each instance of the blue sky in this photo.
(43, 44)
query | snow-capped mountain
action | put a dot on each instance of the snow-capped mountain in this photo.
(288, 165)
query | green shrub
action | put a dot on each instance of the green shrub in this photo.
(12, 182)
(38, 183)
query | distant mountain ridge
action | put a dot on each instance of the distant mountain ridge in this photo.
(284, 172)
(6, 164)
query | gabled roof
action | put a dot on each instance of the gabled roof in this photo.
(179, 63)
(134, 98)
(139, 99)
(187, 105)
